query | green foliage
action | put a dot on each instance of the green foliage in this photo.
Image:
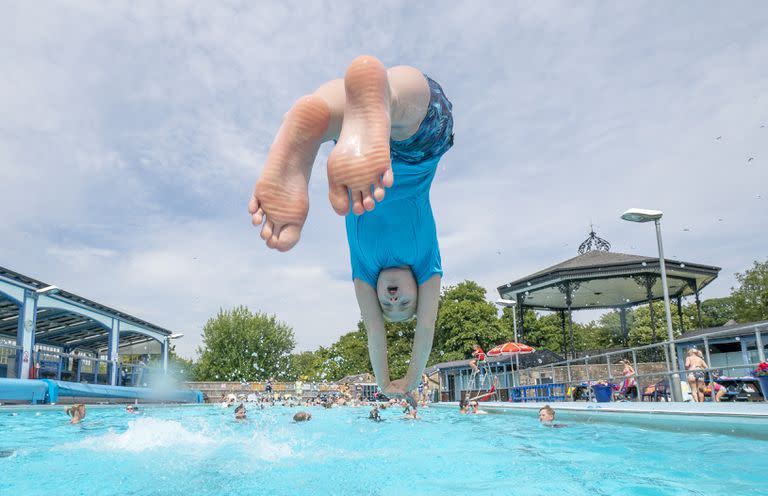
(465, 318)
(308, 365)
(750, 299)
(240, 345)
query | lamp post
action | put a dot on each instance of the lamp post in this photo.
(642, 215)
(511, 304)
(165, 349)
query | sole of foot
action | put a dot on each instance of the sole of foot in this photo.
(280, 201)
(359, 165)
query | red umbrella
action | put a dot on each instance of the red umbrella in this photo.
(510, 349)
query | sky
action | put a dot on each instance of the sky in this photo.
(132, 133)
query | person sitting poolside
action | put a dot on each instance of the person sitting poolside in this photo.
(240, 412)
(391, 128)
(706, 392)
(76, 412)
(547, 417)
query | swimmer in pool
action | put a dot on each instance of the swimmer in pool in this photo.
(302, 417)
(547, 417)
(76, 412)
(391, 127)
(240, 412)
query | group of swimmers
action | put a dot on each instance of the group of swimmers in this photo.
(77, 412)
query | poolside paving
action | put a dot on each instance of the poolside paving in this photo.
(731, 418)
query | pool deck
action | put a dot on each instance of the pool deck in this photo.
(740, 419)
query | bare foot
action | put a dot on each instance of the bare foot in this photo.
(360, 160)
(280, 199)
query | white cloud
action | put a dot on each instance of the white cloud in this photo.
(131, 136)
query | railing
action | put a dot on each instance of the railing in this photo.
(77, 367)
(666, 369)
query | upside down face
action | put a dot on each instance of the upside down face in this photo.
(397, 291)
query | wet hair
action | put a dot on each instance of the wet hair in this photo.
(239, 408)
(548, 409)
(72, 409)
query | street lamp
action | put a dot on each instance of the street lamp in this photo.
(642, 215)
(511, 304)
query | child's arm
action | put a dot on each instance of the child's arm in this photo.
(377, 334)
(426, 315)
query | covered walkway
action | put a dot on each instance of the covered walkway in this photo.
(47, 331)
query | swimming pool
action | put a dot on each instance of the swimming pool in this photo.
(202, 450)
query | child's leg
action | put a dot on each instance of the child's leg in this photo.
(362, 111)
(379, 105)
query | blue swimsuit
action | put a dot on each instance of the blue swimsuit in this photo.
(401, 230)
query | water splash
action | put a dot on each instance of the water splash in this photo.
(145, 434)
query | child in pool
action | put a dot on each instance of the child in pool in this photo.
(391, 128)
(547, 417)
(76, 412)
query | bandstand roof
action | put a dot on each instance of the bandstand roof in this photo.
(598, 278)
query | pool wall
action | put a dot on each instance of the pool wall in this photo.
(739, 419)
(51, 391)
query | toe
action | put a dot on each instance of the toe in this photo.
(289, 236)
(253, 204)
(266, 230)
(357, 203)
(388, 178)
(339, 197)
(368, 202)
(378, 190)
(257, 217)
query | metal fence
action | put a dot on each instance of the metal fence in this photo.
(651, 363)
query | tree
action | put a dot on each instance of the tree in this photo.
(245, 346)
(464, 318)
(307, 365)
(750, 299)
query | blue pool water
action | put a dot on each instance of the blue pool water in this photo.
(202, 450)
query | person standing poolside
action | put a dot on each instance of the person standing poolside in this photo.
(695, 365)
(629, 386)
(391, 127)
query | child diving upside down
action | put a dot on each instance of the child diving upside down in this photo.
(391, 128)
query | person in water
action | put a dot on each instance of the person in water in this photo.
(302, 417)
(240, 413)
(463, 407)
(391, 127)
(76, 413)
(547, 417)
(374, 414)
(475, 408)
(132, 409)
